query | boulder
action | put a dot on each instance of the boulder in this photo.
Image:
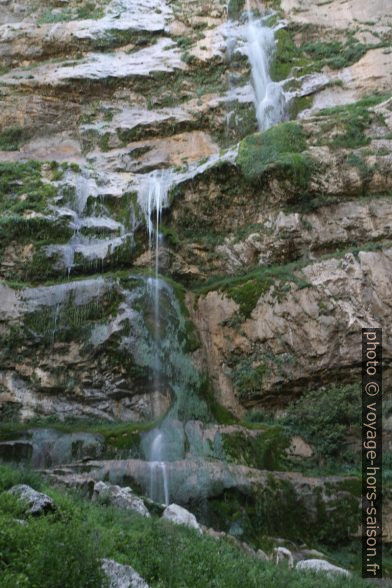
(260, 554)
(120, 576)
(180, 516)
(283, 554)
(37, 502)
(119, 497)
(320, 565)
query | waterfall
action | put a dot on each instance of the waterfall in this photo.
(154, 201)
(270, 102)
(159, 482)
(157, 189)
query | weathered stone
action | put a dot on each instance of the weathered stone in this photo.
(341, 296)
(282, 554)
(322, 566)
(180, 516)
(120, 576)
(119, 497)
(299, 448)
(37, 502)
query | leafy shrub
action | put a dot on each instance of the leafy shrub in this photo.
(265, 451)
(324, 417)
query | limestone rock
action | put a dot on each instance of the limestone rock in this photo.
(338, 297)
(320, 565)
(194, 478)
(120, 576)
(180, 516)
(119, 497)
(282, 554)
(164, 56)
(299, 448)
(37, 502)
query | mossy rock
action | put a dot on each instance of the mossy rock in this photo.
(265, 451)
(279, 510)
(280, 148)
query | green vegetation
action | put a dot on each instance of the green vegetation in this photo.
(286, 57)
(280, 148)
(265, 451)
(279, 510)
(235, 7)
(69, 320)
(22, 188)
(120, 436)
(246, 289)
(88, 10)
(219, 413)
(26, 230)
(292, 59)
(25, 214)
(324, 417)
(335, 54)
(352, 121)
(248, 379)
(11, 138)
(63, 549)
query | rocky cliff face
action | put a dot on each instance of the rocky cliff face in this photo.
(95, 99)
(274, 249)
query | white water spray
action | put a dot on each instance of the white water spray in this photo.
(270, 102)
(156, 199)
(159, 482)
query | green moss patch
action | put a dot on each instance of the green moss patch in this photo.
(279, 148)
(265, 451)
(291, 59)
(351, 122)
(11, 138)
(22, 188)
(70, 321)
(247, 289)
(335, 54)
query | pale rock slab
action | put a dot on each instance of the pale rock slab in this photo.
(121, 576)
(38, 503)
(320, 565)
(119, 497)
(180, 516)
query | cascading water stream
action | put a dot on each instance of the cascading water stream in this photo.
(159, 482)
(270, 102)
(156, 199)
(154, 207)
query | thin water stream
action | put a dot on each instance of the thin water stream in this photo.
(270, 102)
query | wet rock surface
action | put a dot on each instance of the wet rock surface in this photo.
(279, 246)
